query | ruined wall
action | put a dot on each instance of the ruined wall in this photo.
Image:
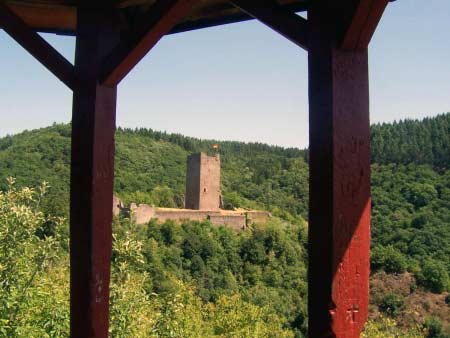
(117, 206)
(142, 213)
(203, 182)
(258, 217)
(236, 222)
(179, 215)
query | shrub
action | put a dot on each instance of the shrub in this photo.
(447, 300)
(434, 328)
(231, 200)
(387, 328)
(392, 304)
(24, 258)
(388, 258)
(434, 276)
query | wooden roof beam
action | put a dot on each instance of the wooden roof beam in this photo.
(288, 24)
(48, 56)
(363, 23)
(153, 25)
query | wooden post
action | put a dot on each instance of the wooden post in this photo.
(92, 175)
(339, 220)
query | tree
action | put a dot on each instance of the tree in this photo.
(434, 276)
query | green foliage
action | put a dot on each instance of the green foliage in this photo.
(388, 328)
(392, 304)
(434, 276)
(200, 265)
(388, 258)
(150, 168)
(34, 280)
(267, 265)
(435, 329)
(25, 255)
(232, 200)
(412, 141)
(410, 225)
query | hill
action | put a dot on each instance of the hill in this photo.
(410, 223)
(424, 141)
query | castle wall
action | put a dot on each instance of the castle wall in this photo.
(179, 215)
(236, 222)
(142, 214)
(117, 206)
(258, 217)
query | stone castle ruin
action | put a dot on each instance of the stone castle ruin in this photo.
(203, 182)
(203, 200)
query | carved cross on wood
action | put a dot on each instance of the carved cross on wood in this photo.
(352, 313)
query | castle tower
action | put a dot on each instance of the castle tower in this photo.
(203, 182)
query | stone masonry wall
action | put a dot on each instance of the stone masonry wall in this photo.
(209, 182)
(236, 222)
(203, 182)
(192, 199)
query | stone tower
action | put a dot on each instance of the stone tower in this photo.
(203, 182)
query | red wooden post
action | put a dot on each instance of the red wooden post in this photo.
(339, 220)
(92, 175)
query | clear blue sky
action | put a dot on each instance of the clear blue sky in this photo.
(243, 81)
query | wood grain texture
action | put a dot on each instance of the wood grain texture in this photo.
(339, 220)
(60, 16)
(363, 23)
(91, 181)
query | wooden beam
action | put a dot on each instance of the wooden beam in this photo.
(36, 46)
(339, 203)
(47, 19)
(157, 22)
(289, 25)
(229, 19)
(92, 177)
(363, 23)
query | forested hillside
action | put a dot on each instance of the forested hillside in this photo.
(265, 267)
(412, 141)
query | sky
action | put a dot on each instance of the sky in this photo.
(242, 81)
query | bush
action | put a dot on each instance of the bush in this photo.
(388, 328)
(24, 259)
(388, 258)
(434, 276)
(392, 304)
(434, 328)
(231, 201)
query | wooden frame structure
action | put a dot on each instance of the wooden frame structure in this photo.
(335, 35)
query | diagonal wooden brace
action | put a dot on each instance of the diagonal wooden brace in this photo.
(156, 23)
(364, 21)
(37, 46)
(289, 25)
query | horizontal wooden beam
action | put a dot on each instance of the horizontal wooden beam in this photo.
(61, 20)
(363, 23)
(154, 24)
(36, 46)
(288, 24)
(229, 19)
